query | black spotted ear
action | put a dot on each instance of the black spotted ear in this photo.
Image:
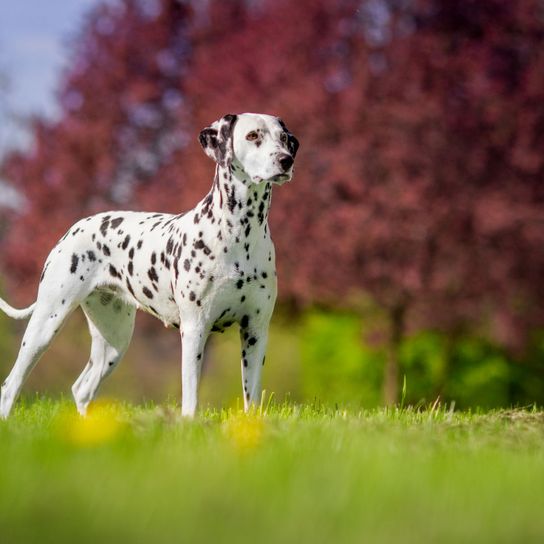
(292, 145)
(208, 141)
(292, 142)
(208, 138)
(216, 139)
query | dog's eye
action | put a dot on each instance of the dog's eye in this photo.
(283, 137)
(252, 136)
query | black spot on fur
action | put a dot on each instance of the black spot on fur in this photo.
(199, 244)
(105, 225)
(116, 222)
(126, 241)
(113, 272)
(91, 255)
(231, 199)
(147, 292)
(75, 260)
(152, 273)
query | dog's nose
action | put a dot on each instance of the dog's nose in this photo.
(286, 161)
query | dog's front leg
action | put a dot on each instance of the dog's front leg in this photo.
(193, 341)
(254, 341)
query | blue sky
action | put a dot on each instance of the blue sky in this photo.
(33, 36)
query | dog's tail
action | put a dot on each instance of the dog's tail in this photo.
(25, 313)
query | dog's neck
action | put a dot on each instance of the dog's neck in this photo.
(237, 205)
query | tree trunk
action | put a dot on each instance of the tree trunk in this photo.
(391, 379)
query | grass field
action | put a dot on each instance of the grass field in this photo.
(290, 474)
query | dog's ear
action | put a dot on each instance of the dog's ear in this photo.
(292, 142)
(208, 141)
(216, 139)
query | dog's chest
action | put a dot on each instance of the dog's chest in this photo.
(244, 289)
(222, 270)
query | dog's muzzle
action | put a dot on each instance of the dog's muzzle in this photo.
(286, 163)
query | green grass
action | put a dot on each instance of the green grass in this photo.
(296, 474)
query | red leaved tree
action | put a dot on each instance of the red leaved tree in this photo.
(419, 178)
(122, 122)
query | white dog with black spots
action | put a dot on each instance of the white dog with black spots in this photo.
(200, 271)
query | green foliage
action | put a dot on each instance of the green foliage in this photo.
(337, 366)
(480, 375)
(296, 474)
(340, 366)
(470, 371)
(423, 361)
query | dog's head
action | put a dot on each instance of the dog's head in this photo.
(259, 146)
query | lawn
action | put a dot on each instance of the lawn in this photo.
(289, 474)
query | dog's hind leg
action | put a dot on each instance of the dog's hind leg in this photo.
(44, 324)
(111, 323)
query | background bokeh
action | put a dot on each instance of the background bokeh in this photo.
(410, 244)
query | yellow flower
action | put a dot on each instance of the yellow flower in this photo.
(244, 431)
(101, 424)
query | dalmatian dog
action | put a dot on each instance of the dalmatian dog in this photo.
(199, 272)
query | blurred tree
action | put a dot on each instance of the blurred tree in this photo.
(419, 179)
(122, 120)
